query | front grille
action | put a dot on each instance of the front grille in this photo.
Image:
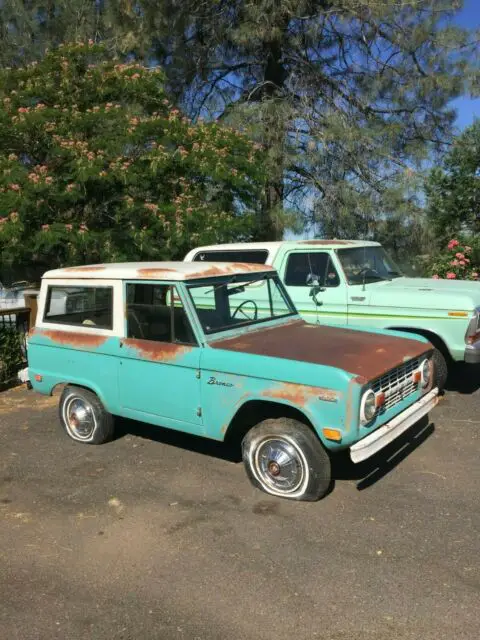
(396, 384)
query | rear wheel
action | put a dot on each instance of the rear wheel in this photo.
(285, 458)
(84, 417)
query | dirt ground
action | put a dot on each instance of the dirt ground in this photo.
(157, 535)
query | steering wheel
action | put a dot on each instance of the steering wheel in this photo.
(366, 271)
(240, 308)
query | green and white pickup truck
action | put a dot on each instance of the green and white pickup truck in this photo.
(356, 283)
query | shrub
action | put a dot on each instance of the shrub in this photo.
(458, 262)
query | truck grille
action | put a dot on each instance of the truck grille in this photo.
(396, 384)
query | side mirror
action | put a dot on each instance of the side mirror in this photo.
(313, 294)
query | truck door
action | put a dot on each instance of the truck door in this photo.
(315, 286)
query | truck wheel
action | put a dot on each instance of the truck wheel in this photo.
(440, 369)
(285, 458)
(83, 416)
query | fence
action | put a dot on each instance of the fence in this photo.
(14, 326)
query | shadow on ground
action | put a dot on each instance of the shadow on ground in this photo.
(370, 471)
(464, 378)
(366, 473)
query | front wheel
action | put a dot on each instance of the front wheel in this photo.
(440, 369)
(84, 417)
(285, 458)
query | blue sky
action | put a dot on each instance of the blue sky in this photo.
(467, 108)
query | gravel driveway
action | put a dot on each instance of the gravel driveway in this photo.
(160, 536)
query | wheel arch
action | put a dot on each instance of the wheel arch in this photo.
(433, 337)
(254, 411)
(87, 387)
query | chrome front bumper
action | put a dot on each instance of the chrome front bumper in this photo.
(472, 353)
(382, 436)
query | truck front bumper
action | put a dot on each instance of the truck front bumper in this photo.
(472, 353)
(382, 436)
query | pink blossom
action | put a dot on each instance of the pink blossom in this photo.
(436, 277)
(454, 263)
(451, 276)
(14, 187)
(462, 263)
(45, 227)
(460, 256)
(3, 220)
(467, 260)
(49, 180)
(452, 244)
(474, 274)
(69, 227)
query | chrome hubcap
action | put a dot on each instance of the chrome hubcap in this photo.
(79, 419)
(280, 465)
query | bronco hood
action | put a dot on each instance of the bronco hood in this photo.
(364, 354)
(425, 293)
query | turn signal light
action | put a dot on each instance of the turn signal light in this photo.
(332, 434)
(379, 400)
(38, 378)
(417, 377)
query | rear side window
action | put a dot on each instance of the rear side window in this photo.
(255, 256)
(80, 306)
(304, 269)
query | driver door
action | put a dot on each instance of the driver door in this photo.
(314, 284)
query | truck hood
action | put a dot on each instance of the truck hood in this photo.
(360, 353)
(425, 293)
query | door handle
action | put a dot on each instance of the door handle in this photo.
(357, 298)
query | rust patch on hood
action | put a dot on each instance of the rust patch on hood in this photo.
(87, 269)
(158, 351)
(362, 354)
(323, 243)
(72, 338)
(299, 394)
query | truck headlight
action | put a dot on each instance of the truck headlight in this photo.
(367, 407)
(426, 373)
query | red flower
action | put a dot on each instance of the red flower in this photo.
(451, 276)
(453, 243)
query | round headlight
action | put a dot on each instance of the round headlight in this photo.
(426, 371)
(368, 407)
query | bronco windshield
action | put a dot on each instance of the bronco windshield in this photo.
(368, 264)
(240, 300)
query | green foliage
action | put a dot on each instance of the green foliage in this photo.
(457, 261)
(454, 189)
(346, 97)
(96, 165)
(11, 355)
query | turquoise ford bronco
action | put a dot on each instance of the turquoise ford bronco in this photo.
(185, 346)
(355, 283)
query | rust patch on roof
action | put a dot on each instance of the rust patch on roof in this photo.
(229, 269)
(72, 339)
(299, 394)
(323, 243)
(158, 351)
(155, 273)
(364, 355)
(87, 269)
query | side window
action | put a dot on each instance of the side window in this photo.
(80, 306)
(304, 268)
(255, 256)
(155, 312)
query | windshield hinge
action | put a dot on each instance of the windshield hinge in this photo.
(198, 374)
(199, 412)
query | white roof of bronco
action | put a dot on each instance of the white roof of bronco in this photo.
(155, 270)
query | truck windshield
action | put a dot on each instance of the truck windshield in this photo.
(367, 264)
(240, 300)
